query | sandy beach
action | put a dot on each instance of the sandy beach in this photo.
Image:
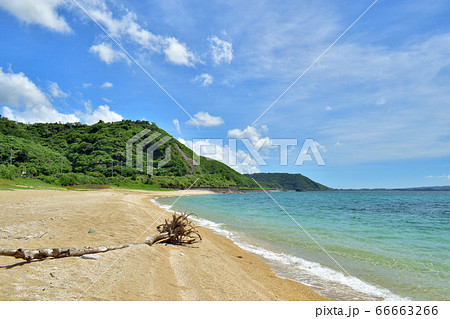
(214, 269)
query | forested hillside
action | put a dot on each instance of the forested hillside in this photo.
(286, 181)
(79, 154)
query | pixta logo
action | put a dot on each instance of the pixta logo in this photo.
(150, 143)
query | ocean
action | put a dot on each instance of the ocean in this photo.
(389, 245)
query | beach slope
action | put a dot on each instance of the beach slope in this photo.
(214, 269)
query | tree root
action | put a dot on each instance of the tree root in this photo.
(179, 231)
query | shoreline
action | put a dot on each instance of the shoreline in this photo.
(214, 269)
(317, 275)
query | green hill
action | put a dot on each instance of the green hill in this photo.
(286, 181)
(79, 154)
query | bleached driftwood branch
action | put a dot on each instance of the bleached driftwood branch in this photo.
(179, 230)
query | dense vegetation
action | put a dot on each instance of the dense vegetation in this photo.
(286, 181)
(79, 154)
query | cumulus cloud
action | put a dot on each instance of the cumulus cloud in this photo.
(107, 85)
(107, 54)
(125, 27)
(236, 159)
(177, 126)
(21, 100)
(38, 114)
(41, 12)
(205, 119)
(101, 113)
(178, 53)
(16, 89)
(221, 50)
(204, 79)
(128, 30)
(55, 91)
(252, 134)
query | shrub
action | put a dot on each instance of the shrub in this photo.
(9, 171)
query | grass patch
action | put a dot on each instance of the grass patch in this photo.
(34, 183)
(25, 183)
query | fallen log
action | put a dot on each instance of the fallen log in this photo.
(179, 231)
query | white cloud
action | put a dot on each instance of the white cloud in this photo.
(106, 100)
(376, 136)
(101, 113)
(16, 89)
(204, 79)
(388, 131)
(227, 83)
(328, 108)
(236, 159)
(107, 54)
(178, 53)
(127, 29)
(264, 129)
(177, 126)
(221, 50)
(24, 102)
(55, 91)
(41, 12)
(381, 101)
(380, 105)
(441, 176)
(404, 103)
(86, 85)
(107, 85)
(87, 105)
(21, 100)
(38, 114)
(205, 119)
(280, 40)
(253, 134)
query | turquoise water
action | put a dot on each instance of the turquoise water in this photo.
(393, 244)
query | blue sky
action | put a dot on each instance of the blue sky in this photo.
(377, 104)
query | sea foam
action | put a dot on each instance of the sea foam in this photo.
(328, 282)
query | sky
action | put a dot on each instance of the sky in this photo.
(374, 106)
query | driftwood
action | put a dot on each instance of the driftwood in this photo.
(179, 231)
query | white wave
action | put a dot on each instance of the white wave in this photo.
(215, 227)
(318, 276)
(165, 207)
(321, 272)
